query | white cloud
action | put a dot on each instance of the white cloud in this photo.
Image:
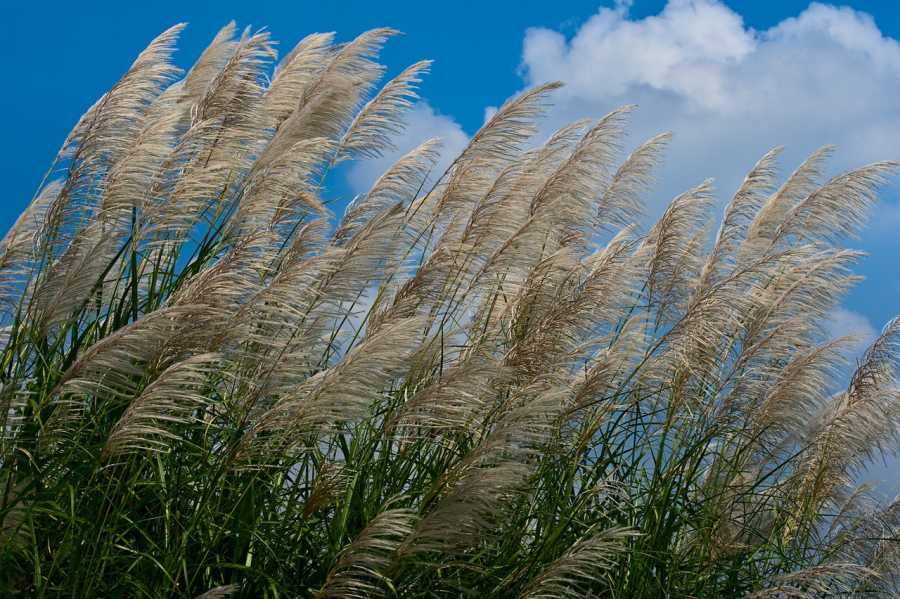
(686, 50)
(727, 92)
(489, 113)
(422, 123)
(845, 322)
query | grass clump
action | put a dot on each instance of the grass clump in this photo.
(481, 382)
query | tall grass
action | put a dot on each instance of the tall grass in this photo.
(481, 382)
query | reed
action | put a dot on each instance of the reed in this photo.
(485, 382)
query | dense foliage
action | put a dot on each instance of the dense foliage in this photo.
(485, 381)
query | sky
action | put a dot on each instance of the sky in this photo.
(730, 78)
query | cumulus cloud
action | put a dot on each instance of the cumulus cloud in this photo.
(727, 92)
(423, 123)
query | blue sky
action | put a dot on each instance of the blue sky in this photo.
(730, 79)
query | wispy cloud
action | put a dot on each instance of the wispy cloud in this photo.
(846, 322)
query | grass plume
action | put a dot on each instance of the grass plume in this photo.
(482, 382)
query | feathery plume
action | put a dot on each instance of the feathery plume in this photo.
(109, 132)
(358, 570)
(398, 185)
(838, 208)
(330, 99)
(19, 254)
(621, 203)
(209, 65)
(296, 72)
(674, 245)
(798, 186)
(509, 128)
(581, 565)
(498, 141)
(346, 391)
(285, 194)
(370, 133)
(744, 206)
(581, 179)
(169, 401)
(115, 366)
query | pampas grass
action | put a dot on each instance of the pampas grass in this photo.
(487, 381)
